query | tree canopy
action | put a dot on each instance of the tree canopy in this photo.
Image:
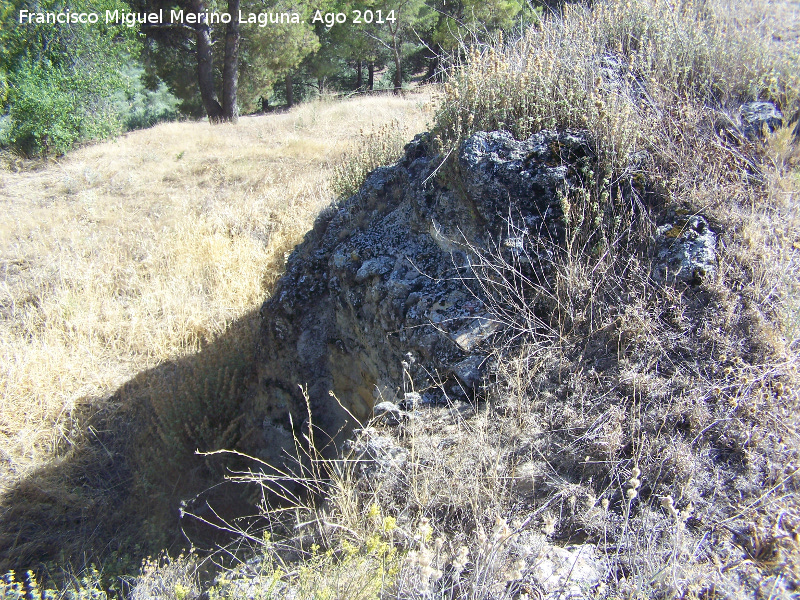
(64, 83)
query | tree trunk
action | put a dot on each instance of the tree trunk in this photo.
(230, 68)
(433, 67)
(398, 71)
(359, 76)
(289, 95)
(205, 67)
(371, 76)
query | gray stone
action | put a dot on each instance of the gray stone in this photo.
(567, 573)
(389, 413)
(686, 251)
(376, 455)
(412, 400)
(479, 329)
(758, 117)
(390, 271)
(373, 267)
(470, 370)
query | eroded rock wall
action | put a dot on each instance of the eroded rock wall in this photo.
(376, 300)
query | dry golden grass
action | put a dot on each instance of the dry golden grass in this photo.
(126, 254)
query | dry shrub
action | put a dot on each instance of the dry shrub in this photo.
(367, 152)
(168, 579)
(598, 68)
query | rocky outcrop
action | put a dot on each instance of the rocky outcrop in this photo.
(378, 302)
(756, 121)
(375, 455)
(759, 118)
(385, 300)
(686, 251)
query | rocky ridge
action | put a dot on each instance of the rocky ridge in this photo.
(375, 303)
(382, 303)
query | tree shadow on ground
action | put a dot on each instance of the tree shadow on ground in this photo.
(114, 496)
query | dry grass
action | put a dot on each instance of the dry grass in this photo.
(130, 253)
(657, 422)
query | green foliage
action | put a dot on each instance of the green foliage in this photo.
(469, 21)
(170, 63)
(52, 109)
(43, 116)
(141, 107)
(57, 79)
(268, 53)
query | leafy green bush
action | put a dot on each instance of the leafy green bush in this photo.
(57, 80)
(140, 106)
(52, 109)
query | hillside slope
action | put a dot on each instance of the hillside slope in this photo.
(617, 193)
(133, 254)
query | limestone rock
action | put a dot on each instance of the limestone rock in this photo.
(389, 413)
(378, 297)
(475, 332)
(686, 251)
(373, 267)
(470, 370)
(412, 400)
(567, 573)
(377, 455)
(758, 116)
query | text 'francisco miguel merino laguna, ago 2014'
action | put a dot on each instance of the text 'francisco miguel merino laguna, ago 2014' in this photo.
(262, 19)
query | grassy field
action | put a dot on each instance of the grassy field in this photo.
(126, 254)
(658, 421)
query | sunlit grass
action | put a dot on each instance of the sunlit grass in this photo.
(128, 253)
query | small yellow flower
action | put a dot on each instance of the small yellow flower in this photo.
(389, 524)
(374, 511)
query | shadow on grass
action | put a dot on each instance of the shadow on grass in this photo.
(114, 497)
